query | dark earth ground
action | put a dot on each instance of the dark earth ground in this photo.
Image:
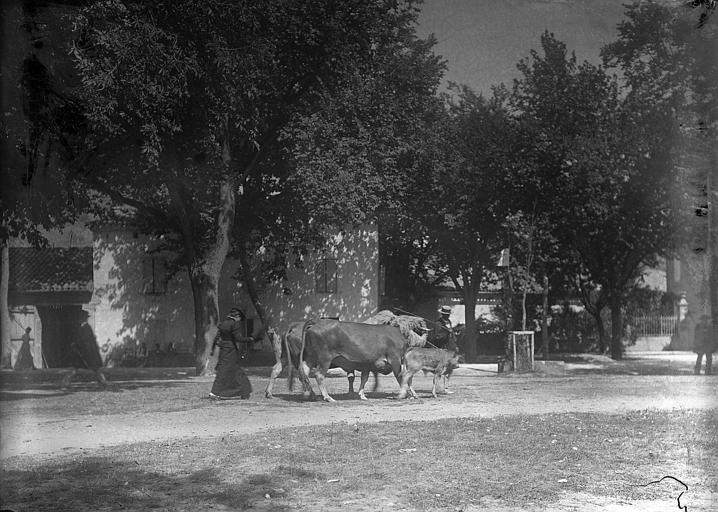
(37, 417)
(41, 421)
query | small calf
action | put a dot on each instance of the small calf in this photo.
(438, 361)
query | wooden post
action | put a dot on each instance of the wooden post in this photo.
(5, 347)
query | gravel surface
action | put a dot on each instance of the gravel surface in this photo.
(42, 420)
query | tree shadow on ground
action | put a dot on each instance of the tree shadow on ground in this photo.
(52, 390)
(631, 365)
(55, 377)
(101, 483)
(51, 375)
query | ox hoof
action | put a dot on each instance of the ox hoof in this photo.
(268, 395)
(329, 399)
(362, 396)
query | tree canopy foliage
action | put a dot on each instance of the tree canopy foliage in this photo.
(213, 119)
(604, 165)
(572, 168)
(666, 54)
(460, 199)
(235, 127)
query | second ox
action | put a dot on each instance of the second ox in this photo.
(290, 345)
(350, 346)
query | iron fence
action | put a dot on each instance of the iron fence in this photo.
(654, 325)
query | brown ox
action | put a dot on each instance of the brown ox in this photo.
(290, 343)
(350, 346)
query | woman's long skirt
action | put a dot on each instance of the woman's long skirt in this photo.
(230, 381)
(24, 358)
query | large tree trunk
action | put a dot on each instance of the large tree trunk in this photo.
(205, 286)
(401, 283)
(524, 294)
(205, 270)
(544, 318)
(525, 290)
(712, 239)
(470, 349)
(616, 328)
(600, 329)
(5, 320)
(507, 291)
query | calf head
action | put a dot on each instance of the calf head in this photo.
(457, 358)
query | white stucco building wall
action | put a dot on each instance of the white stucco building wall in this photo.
(126, 313)
(356, 296)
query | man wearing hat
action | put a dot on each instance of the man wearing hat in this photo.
(444, 330)
(443, 335)
(230, 381)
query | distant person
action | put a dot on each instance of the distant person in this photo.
(24, 356)
(87, 352)
(230, 381)
(704, 344)
(443, 331)
(444, 336)
(142, 355)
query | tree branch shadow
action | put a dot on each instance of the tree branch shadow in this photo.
(102, 483)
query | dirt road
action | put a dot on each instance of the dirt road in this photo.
(45, 422)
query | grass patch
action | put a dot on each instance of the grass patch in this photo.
(523, 460)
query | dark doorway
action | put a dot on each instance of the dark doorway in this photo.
(60, 326)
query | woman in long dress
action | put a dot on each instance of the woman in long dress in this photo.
(230, 381)
(24, 356)
(86, 353)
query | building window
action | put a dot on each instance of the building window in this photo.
(326, 276)
(154, 275)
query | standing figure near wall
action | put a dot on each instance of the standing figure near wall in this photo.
(230, 382)
(24, 356)
(87, 351)
(704, 344)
